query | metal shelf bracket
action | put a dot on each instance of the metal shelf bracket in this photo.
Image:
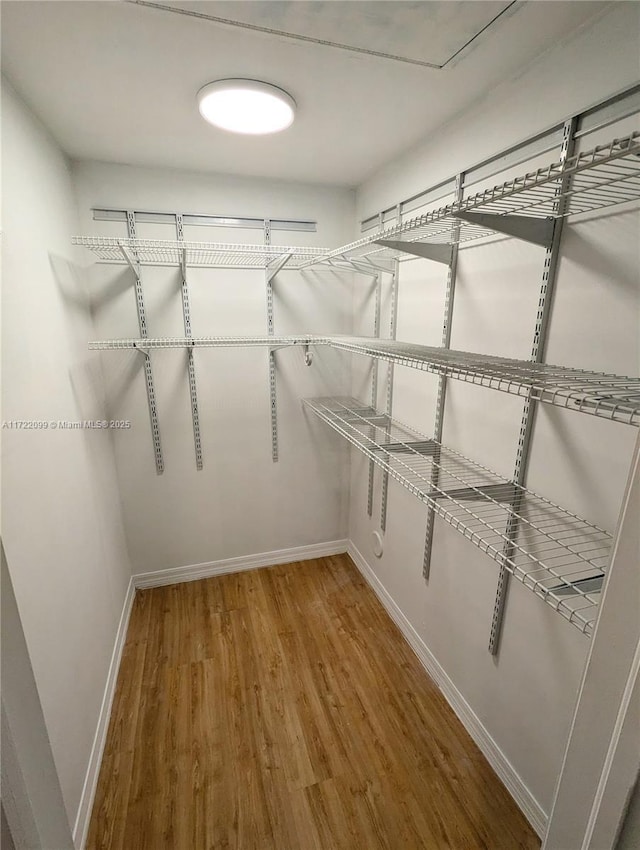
(132, 262)
(143, 351)
(528, 228)
(275, 267)
(437, 253)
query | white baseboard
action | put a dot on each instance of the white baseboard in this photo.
(83, 817)
(494, 755)
(236, 565)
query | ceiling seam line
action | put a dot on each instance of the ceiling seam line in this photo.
(479, 33)
(293, 36)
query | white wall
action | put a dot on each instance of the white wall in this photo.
(241, 503)
(62, 528)
(31, 794)
(525, 697)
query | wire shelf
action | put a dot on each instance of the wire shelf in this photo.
(557, 555)
(605, 176)
(599, 394)
(608, 396)
(197, 342)
(164, 252)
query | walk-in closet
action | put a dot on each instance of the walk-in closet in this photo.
(320, 409)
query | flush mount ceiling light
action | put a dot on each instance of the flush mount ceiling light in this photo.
(246, 106)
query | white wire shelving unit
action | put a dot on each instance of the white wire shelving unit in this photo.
(167, 252)
(607, 175)
(557, 555)
(612, 397)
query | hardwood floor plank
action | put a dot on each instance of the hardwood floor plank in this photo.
(109, 812)
(281, 709)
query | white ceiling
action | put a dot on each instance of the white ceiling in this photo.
(117, 81)
(428, 33)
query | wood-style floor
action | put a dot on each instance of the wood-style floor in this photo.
(281, 709)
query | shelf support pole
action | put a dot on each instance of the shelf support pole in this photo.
(393, 321)
(377, 280)
(142, 324)
(191, 368)
(273, 400)
(442, 380)
(545, 303)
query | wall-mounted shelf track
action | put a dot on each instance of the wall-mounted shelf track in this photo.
(608, 396)
(557, 555)
(605, 176)
(166, 252)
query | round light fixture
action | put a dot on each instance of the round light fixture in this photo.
(246, 106)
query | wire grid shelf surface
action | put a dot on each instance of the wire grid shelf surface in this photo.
(557, 555)
(165, 252)
(612, 397)
(608, 396)
(605, 176)
(197, 342)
